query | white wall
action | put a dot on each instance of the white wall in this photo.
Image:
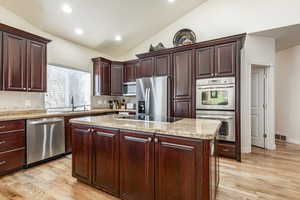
(60, 52)
(220, 18)
(287, 81)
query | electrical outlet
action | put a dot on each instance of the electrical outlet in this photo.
(27, 103)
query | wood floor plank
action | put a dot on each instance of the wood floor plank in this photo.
(263, 175)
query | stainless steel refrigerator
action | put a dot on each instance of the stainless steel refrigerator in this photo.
(153, 97)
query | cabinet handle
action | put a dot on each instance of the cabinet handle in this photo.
(212, 74)
(24, 88)
(225, 150)
(155, 140)
(1, 127)
(2, 142)
(149, 139)
(216, 74)
(3, 162)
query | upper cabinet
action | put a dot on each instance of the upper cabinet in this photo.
(14, 63)
(101, 76)
(205, 62)
(225, 60)
(145, 68)
(216, 61)
(182, 74)
(24, 60)
(129, 72)
(116, 82)
(36, 66)
(162, 65)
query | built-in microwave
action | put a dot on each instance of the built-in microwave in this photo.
(129, 89)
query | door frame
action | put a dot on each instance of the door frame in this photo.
(262, 69)
(246, 72)
(269, 102)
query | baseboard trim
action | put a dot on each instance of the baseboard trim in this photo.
(292, 141)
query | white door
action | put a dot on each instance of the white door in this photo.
(257, 107)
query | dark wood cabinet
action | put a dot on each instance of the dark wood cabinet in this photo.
(136, 166)
(177, 175)
(23, 60)
(12, 146)
(205, 67)
(14, 62)
(225, 60)
(162, 65)
(36, 66)
(82, 153)
(145, 68)
(182, 108)
(1, 65)
(182, 74)
(101, 76)
(106, 160)
(130, 71)
(116, 83)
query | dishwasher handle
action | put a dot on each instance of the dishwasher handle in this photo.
(42, 122)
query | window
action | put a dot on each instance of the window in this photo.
(63, 84)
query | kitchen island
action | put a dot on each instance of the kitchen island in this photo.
(139, 160)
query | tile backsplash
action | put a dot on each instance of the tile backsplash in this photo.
(21, 101)
(14, 101)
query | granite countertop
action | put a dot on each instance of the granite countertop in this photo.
(34, 114)
(189, 128)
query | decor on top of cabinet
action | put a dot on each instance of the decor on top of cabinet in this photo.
(184, 37)
(160, 46)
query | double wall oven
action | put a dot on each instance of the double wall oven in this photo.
(215, 99)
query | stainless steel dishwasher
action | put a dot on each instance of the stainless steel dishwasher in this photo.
(45, 139)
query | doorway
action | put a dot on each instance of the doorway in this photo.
(258, 105)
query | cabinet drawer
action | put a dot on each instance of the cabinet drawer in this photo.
(11, 160)
(226, 150)
(12, 126)
(12, 140)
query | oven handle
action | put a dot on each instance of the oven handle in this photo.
(209, 87)
(214, 117)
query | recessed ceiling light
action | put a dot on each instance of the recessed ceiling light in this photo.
(118, 38)
(171, 1)
(78, 31)
(66, 8)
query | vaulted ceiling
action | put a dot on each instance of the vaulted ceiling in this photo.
(102, 20)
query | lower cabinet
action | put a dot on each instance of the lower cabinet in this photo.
(106, 160)
(177, 169)
(137, 166)
(82, 153)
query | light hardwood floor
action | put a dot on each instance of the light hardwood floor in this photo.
(270, 175)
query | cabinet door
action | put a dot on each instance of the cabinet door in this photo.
(177, 170)
(225, 56)
(136, 166)
(145, 68)
(14, 62)
(162, 65)
(105, 68)
(97, 78)
(116, 88)
(182, 108)
(106, 160)
(182, 74)
(81, 157)
(130, 72)
(36, 66)
(205, 62)
(1, 66)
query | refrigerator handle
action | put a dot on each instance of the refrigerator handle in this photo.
(147, 101)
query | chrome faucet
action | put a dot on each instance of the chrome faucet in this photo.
(72, 104)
